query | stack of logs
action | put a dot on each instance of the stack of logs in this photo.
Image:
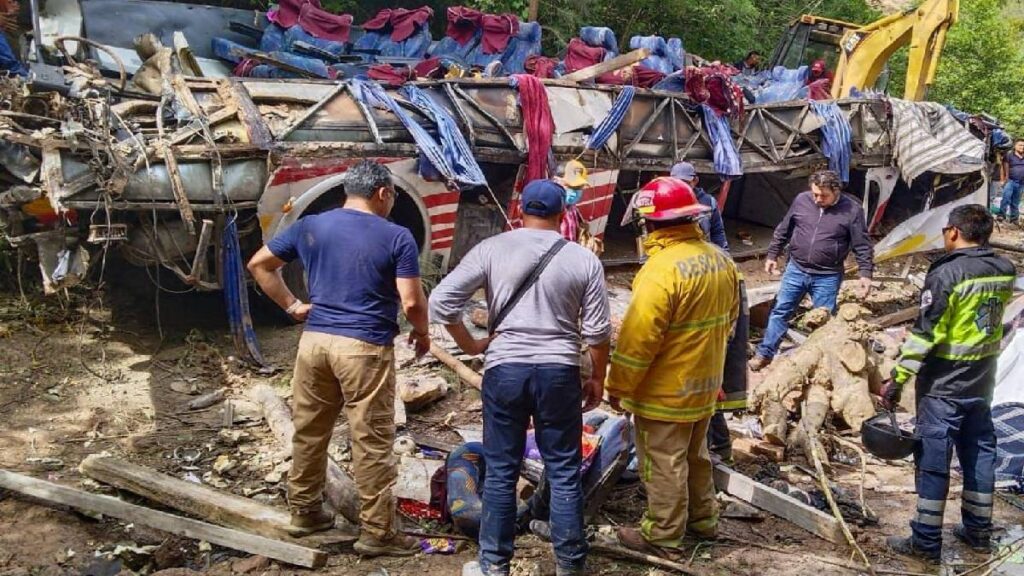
(838, 368)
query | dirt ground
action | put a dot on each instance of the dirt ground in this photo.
(98, 374)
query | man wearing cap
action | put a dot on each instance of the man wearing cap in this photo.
(733, 396)
(545, 297)
(668, 363)
(573, 177)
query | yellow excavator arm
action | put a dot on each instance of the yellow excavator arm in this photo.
(864, 51)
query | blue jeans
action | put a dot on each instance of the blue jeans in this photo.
(823, 288)
(1011, 199)
(942, 424)
(552, 396)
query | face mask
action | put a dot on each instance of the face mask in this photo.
(573, 195)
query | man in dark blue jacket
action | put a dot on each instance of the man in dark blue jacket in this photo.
(821, 228)
(712, 226)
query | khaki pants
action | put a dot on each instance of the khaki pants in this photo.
(676, 470)
(333, 373)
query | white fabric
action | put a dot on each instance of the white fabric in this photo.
(926, 137)
(923, 232)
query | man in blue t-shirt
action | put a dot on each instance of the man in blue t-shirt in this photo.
(360, 267)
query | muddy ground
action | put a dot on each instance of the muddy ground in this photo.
(98, 373)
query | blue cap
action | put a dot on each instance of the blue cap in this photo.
(543, 198)
(683, 171)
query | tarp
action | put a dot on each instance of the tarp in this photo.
(927, 138)
(923, 232)
(1010, 372)
(837, 137)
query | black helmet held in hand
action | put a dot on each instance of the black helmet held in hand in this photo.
(884, 439)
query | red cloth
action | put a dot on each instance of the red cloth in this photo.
(540, 66)
(380, 21)
(429, 68)
(579, 56)
(244, 67)
(712, 85)
(537, 123)
(286, 14)
(498, 29)
(462, 23)
(820, 89)
(324, 25)
(404, 22)
(639, 76)
(388, 74)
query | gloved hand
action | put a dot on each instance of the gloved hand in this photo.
(891, 392)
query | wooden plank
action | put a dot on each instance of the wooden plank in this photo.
(227, 537)
(199, 500)
(811, 519)
(178, 188)
(467, 374)
(621, 61)
(905, 315)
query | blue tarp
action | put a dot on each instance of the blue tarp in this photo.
(676, 53)
(837, 137)
(273, 39)
(465, 171)
(298, 34)
(610, 123)
(8, 61)
(777, 85)
(228, 50)
(236, 296)
(520, 47)
(601, 37)
(447, 47)
(727, 159)
(659, 55)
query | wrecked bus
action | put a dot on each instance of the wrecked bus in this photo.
(104, 165)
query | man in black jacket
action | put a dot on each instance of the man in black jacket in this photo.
(953, 350)
(821, 228)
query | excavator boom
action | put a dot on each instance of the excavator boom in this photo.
(864, 52)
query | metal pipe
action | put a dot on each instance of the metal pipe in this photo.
(37, 31)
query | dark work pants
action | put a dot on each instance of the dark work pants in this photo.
(942, 424)
(552, 396)
(719, 441)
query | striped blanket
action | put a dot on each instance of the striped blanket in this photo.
(1009, 423)
(927, 138)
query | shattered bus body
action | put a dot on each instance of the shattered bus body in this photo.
(160, 184)
(93, 162)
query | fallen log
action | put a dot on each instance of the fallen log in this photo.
(831, 372)
(591, 72)
(899, 317)
(198, 500)
(227, 537)
(341, 491)
(467, 374)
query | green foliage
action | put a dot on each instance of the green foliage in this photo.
(517, 7)
(982, 67)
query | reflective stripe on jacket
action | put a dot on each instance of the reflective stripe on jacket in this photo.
(670, 354)
(954, 344)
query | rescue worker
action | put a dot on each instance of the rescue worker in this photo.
(667, 366)
(574, 227)
(953, 350)
(733, 396)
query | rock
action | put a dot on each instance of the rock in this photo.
(479, 317)
(414, 476)
(232, 437)
(405, 446)
(421, 392)
(401, 419)
(815, 319)
(251, 564)
(273, 477)
(172, 553)
(176, 572)
(224, 464)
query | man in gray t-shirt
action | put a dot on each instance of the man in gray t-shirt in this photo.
(532, 369)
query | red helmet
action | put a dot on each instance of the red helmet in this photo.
(667, 198)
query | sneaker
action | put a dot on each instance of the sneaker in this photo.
(905, 547)
(758, 363)
(308, 523)
(978, 543)
(400, 545)
(472, 569)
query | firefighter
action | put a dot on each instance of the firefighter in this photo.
(667, 366)
(952, 350)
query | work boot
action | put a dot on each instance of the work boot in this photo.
(724, 455)
(905, 547)
(758, 363)
(632, 538)
(976, 542)
(310, 522)
(400, 545)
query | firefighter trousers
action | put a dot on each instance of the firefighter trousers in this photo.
(942, 424)
(675, 467)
